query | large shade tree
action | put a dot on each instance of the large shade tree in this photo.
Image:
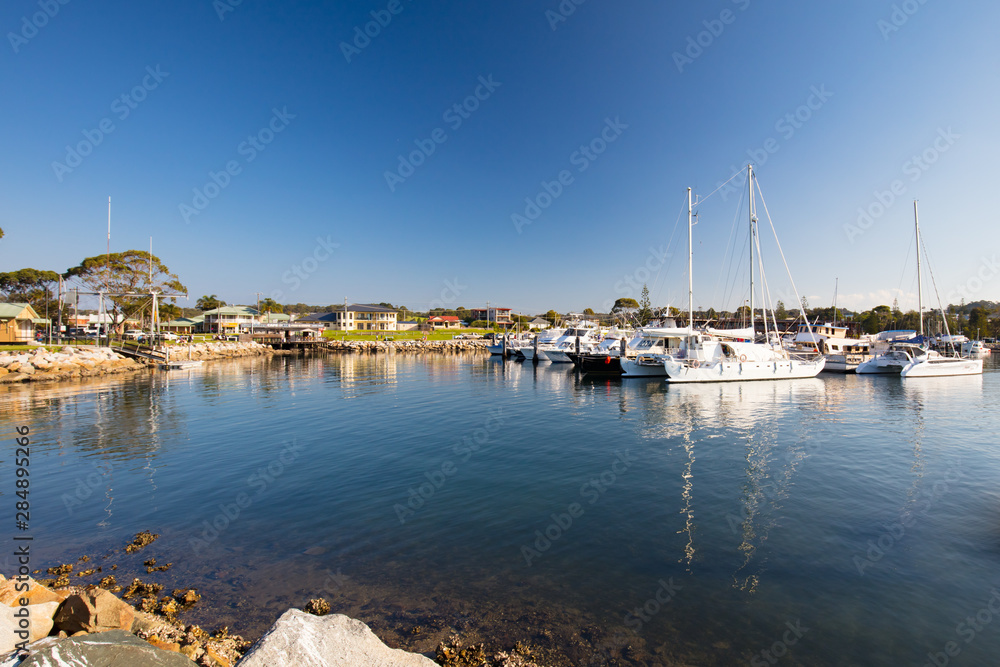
(120, 274)
(33, 286)
(209, 303)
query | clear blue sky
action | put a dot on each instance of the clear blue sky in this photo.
(329, 121)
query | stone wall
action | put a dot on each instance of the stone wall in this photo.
(394, 346)
(40, 365)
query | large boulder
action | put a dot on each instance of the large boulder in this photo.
(116, 648)
(96, 610)
(39, 623)
(304, 640)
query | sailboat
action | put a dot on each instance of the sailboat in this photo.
(718, 355)
(931, 363)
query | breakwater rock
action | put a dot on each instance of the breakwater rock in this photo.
(396, 346)
(208, 351)
(41, 365)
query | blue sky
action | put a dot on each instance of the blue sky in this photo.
(260, 146)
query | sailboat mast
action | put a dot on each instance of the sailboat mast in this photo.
(920, 291)
(753, 219)
(690, 265)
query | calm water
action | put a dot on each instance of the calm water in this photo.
(838, 521)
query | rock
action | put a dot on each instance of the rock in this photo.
(115, 648)
(36, 593)
(164, 645)
(95, 610)
(39, 623)
(13, 367)
(304, 640)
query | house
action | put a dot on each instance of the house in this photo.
(228, 319)
(356, 317)
(444, 322)
(183, 325)
(539, 323)
(498, 316)
(408, 325)
(17, 323)
(274, 318)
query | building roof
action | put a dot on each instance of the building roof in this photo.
(232, 310)
(179, 322)
(539, 320)
(318, 317)
(276, 317)
(443, 318)
(369, 308)
(10, 311)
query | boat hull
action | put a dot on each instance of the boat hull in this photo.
(743, 371)
(632, 368)
(942, 367)
(601, 363)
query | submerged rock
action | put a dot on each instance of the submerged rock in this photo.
(304, 640)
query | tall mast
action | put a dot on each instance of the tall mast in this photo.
(753, 220)
(690, 265)
(920, 291)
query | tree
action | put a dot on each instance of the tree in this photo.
(169, 311)
(979, 324)
(645, 313)
(589, 311)
(552, 316)
(133, 272)
(625, 304)
(32, 286)
(780, 312)
(269, 305)
(208, 303)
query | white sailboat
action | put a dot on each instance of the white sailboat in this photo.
(931, 363)
(720, 358)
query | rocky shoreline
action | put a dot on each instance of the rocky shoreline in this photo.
(41, 365)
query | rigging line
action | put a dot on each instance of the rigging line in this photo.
(730, 243)
(670, 243)
(937, 295)
(782, 253)
(739, 173)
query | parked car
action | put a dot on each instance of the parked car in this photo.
(134, 334)
(167, 335)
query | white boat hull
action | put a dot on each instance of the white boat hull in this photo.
(942, 367)
(558, 357)
(743, 371)
(632, 368)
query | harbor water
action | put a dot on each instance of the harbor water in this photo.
(842, 520)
